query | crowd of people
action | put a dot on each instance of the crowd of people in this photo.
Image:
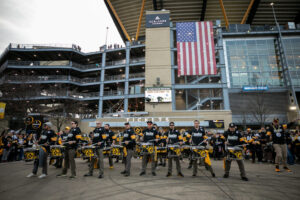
(273, 144)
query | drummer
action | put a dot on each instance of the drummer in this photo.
(198, 137)
(149, 134)
(98, 139)
(110, 140)
(46, 137)
(129, 143)
(174, 137)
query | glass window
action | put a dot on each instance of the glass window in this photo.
(252, 62)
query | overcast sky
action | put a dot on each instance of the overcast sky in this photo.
(81, 22)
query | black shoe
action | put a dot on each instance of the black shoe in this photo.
(213, 175)
(168, 175)
(164, 164)
(72, 176)
(244, 178)
(160, 164)
(180, 174)
(123, 172)
(153, 174)
(100, 176)
(142, 173)
(190, 167)
(126, 174)
(194, 175)
(88, 174)
(226, 175)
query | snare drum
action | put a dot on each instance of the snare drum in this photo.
(56, 151)
(234, 153)
(147, 148)
(117, 150)
(31, 154)
(88, 151)
(106, 151)
(198, 152)
(174, 151)
(162, 151)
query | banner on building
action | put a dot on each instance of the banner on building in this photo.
(195, 49)
(157, 20)
(155, 94)
(2, 110)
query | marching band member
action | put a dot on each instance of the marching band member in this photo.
(233, 137)
(198, 137)
(173, 137)
(73, 138)
(280, 140)
(110, 140)
(98, 138)
(149, 135)
(129, 144)
(46, 137)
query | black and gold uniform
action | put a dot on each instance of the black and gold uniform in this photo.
(149, 135)
(233, 137)
(45, 139)
(110, 139)
(129, 146)
(198, 137)
(98, 139)
(173, 137)
(218, 142)
(74, 137)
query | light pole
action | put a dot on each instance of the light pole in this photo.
(106, 36)
(287, 75)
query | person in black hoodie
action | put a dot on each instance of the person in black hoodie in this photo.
(280, 139)
(149, 135)
(71, 142)
(45, 139)
(98, 138)
(174, 137)
(129, 145)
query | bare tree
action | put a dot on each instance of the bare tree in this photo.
(258, 107)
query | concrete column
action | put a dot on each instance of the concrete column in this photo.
(222, 65)
(158, 61)
(101, 91)
(172, 69)
(126, 91)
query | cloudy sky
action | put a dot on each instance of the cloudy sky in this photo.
(81, 22)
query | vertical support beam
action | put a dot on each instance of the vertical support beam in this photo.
(140, 21)
(203, 10)
(126, 91)
(118, 19)
(252, 13)
(222, 66)
(247, 12)
(101, 91)
(172, 67)
(224, 13)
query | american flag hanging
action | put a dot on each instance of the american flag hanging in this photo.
(195, 49)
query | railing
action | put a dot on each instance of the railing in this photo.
(113, 93)
(24, 79)
(136, 60)
(115, 77)
(137, 75)
(116, 62)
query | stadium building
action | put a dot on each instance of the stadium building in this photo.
(257, 68)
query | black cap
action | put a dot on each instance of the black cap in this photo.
(171, 123)
(127, 123)
(232, 125)
(149, 122)
(154, 124)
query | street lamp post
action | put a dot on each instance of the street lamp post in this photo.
(292, 94)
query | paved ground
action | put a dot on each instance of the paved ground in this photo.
(264, 183)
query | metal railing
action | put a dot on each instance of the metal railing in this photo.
(113, 93)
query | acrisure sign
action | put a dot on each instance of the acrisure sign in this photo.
(157, 20)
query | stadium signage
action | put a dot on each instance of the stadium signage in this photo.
(255, 88)
(157, 20)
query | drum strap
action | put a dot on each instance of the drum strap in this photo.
(224, 160)
(155, 153)
(125, 152)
